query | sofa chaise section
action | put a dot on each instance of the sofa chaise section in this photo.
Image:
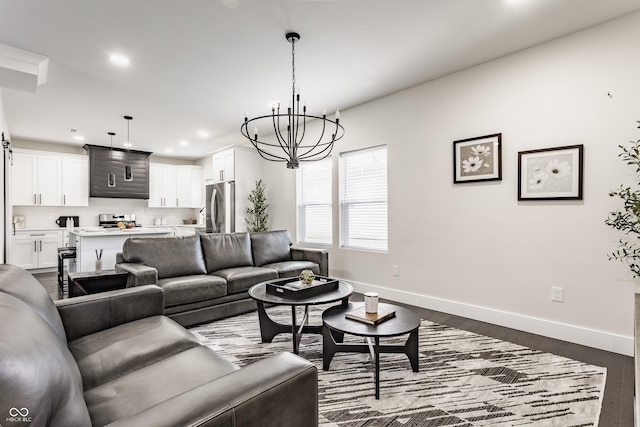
(114, 359)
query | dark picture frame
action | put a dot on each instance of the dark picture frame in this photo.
(551, 173)
(477, 159)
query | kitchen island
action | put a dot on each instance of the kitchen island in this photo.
(90, 241)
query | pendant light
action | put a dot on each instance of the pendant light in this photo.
(111, 179)
(128, 173)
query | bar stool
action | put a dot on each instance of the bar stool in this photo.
(64, 253)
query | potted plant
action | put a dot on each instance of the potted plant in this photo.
(256, 216)
(306, 277)
(626, 219)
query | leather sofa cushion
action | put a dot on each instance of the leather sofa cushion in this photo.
(293, 268)
(149, 386)
(23, 286)
(226, 250)
(186, 289)
(37, 371)
(171, 256)
(240, 279)
(270, 246)
(113, 352)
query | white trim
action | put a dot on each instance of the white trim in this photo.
(562, 331)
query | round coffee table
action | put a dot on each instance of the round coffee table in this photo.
(269, 328)
(335, 324)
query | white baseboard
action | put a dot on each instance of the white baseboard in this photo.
(562, 331)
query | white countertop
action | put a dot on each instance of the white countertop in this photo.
(101, 232)
(148, 229)
(35, 229)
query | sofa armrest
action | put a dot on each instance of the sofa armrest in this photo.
(279, 391)
(93, 313)
(319, 256)
(139, 274)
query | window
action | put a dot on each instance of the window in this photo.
(314, 202)
(363, 199)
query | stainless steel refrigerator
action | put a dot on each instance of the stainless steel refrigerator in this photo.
(220, 213)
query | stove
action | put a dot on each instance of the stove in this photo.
(112, 220)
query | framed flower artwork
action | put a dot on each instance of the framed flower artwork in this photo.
(550, 174)
(477, 159)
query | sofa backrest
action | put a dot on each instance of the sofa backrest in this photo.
(226, 250)
(22, 285)
(271, 246)
(171, 256)
(39, 379)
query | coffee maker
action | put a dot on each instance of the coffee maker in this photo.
(68, 221)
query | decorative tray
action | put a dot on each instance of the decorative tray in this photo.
(292, 287)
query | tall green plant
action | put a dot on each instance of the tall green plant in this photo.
(256, 215)
(627, 218)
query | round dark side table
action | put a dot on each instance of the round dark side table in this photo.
(269, 328)
(335, 324)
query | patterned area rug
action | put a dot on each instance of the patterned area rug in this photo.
(465, 379)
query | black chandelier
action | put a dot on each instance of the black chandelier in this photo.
(289, 128)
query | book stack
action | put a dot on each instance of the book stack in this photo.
(360, 315)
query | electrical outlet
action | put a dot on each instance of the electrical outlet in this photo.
(395, 270)
(557, 293)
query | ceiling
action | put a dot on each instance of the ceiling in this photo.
(200, 64)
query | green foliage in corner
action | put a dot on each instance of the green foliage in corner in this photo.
(627, 218)
(256, 215)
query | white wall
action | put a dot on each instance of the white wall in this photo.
(473, 249)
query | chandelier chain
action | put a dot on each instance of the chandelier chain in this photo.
(293, 67)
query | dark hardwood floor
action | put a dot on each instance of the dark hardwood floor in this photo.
(617, 406)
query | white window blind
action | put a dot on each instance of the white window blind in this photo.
(314, 203)
(363, 199)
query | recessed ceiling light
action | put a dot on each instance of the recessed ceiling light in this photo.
(127, 144)
(184, 142)
(203, 134)
(78, 137)
(515, 2)
(119, 59)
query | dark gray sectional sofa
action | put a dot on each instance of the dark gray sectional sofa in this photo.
(113, 359)
(207, 277)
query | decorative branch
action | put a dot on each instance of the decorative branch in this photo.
(626, 219)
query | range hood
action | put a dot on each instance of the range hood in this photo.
(106, 160)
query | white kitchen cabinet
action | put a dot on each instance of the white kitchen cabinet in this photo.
(190, 187)
(162, 186)
(172, 186)
(36, 179)
(75, 181)
(49, 179)
(224, 165)
(35, 249)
